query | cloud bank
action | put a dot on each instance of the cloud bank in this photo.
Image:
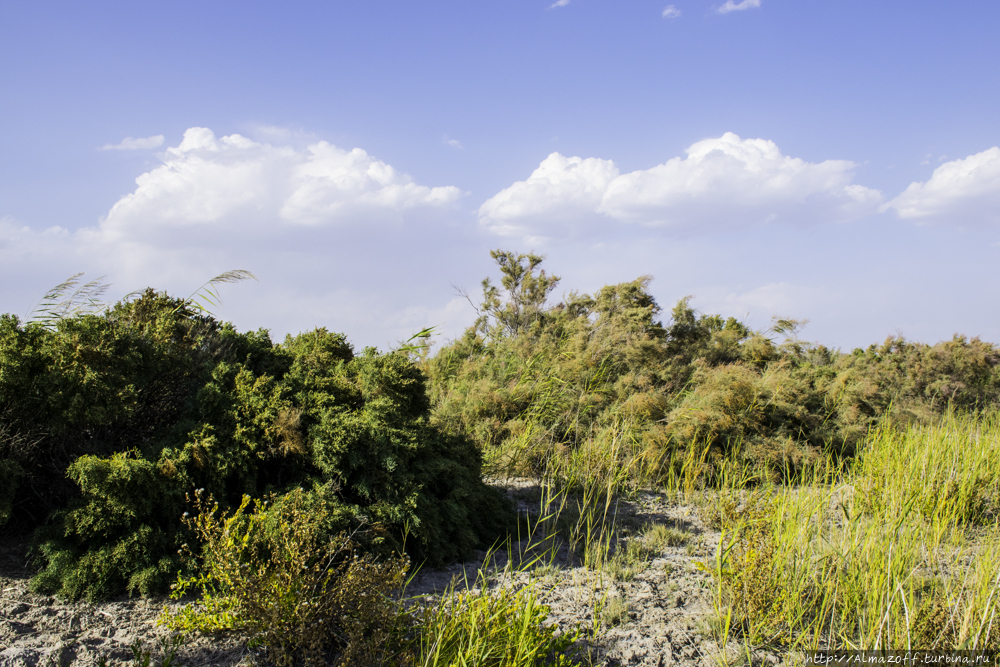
(725, 182)
(965, 192)
(233, 183)
(341, 239)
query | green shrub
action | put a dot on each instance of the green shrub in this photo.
(268, 570)
(273, 574)
(109, 420)
(367, 422)
(122, 533)
(757, 594)
(533, 382)
(97, 385)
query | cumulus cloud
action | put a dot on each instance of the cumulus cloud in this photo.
(731, 6)
(964, 191)
(337, 238)
(561, 190)
(671, 12)
(724, 182)
(130, 144)
(233, 182)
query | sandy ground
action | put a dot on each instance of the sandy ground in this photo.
(42, 631)
(658, 615)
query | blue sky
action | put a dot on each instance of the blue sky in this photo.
(836, 162)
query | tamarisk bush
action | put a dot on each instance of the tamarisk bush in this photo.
(533, 381)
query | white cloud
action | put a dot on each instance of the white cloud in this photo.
(235, 183)
(964, 191)
(130, 144)
(671, 12)
(336, 237)
(454, 143)
(559, 3)
(340, 239)
(731, 6)
(725, 182)
(561, 190)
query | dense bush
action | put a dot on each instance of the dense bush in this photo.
(107, 421)
(271, 572)
(545, 379)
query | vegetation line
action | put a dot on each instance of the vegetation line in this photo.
(283, 489)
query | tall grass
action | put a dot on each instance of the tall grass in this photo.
(904, 555)
(480, 627)
(898, 549)
(949, 471)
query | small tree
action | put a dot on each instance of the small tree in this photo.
(522, 304)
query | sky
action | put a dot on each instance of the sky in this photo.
(835, 162)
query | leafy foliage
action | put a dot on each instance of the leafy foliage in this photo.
(273, 574)
(533, 381)
(526, 293)
(109, 420)
(749, 570)
(268, 570)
